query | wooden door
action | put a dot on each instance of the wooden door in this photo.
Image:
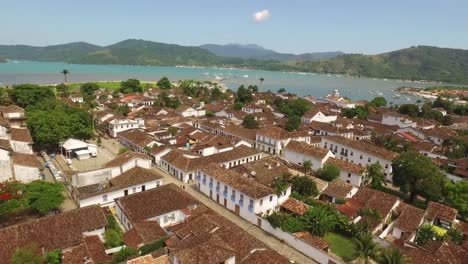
(237, 209)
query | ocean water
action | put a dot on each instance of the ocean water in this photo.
(16, 72)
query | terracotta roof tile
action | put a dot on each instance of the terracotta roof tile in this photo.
(347, 166)
(437, 210)
(338, 188)
(306, 149)
(295, 206)
(21, 134)
(313, 240)
(124, 158)
(27, 160)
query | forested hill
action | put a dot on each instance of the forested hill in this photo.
(415, 63)
(2, 60)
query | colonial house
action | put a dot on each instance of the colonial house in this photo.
(111, 169)
(244, 196)
(395, 119)
(5, 160)
(317, 116)
(21, 140)
(338, 190)
(183, 166)
(14, 114)
(408, 221)
(136, 140)
(104, 193)
(272, 139)
(326, 129)
(349, 172)
(440, 215)
(229, 131)
(360, 152)
(119, 125)
(252, 109)
(167, 205)
(299, 152)
(26, 167)
(187, 111)
(79, 234)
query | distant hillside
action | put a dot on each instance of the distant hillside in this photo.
(252, 51)
(64, 52)
(415, 63)
(2, 60)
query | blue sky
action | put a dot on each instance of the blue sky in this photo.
(296, 26)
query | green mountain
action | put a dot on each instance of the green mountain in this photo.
(415, 63)
(2, 60)
(64, 52)
(141, 52)
(252, 51)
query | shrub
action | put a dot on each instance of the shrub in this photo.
(112, 238)
(148, 248)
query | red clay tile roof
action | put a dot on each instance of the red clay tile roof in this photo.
(347, 166)
(27, 160)
(443, 212)
(21, 134)
(306, 149)
(364, 146)
(5, 144)
(313, 240)
(338, 188)
(378, 200)
(96, 249)
(124, 158)
(410, 218)
(295, 206)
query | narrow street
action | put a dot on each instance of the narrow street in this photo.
(271, 241)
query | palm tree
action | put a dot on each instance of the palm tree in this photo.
(320, 220)
(366, 248)
(261, 80)
(391, 256)
(65, 72)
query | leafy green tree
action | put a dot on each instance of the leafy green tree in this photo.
(375, 173)
(457, 196)
(321, 219)
(378, 101)
(253, 88)
(31, 94)
(124, 254)
(307, 166)
(261, 79)
(27, 255)
(304, 186)
(366, 248)
(112, 238)
(243, 95)
(250, 122)
(409, 109)
(391, 256)
(296, 107)
(329, 172)
(62, 90)
(88, 89)
(425, 234)
(54, 257)
(416, 174)
(216, 94)
(44, 196)
(209, 113)
(172, 130)
(293, 123)
(130, 86)
(281, 90)
(280, 185)
(238, 106)
(455, 235)
(164, 83)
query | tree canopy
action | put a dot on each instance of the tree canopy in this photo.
(31, 94)
(27, 255)
(164, 83)
(375, 173)
(457, 196)
(329, 172)
(53, 122)
(250, 122)
(378, 101)
(293, 123)
(418, 175)
(243, 95)
(131, 86)
(88, 89)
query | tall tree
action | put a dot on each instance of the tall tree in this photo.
(250, 122)
(261, 80)
(307, 166)
(293, 123)
(375, 173)
(366, 248)
(164, 83)
(65, 72)
(304, 186)
(418, 175)
(62, 90)
(329, 172)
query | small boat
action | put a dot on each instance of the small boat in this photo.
(245, 76)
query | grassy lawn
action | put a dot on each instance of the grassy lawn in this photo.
(439, 230)
(107, 85)
(341, 246)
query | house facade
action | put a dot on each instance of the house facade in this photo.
(119, 125)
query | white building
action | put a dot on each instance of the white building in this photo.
(395, 119)
(111, 169)
(360, 152)
(273, 139)
(318, 116)
(187, 111)
(26, 167)
(352, 173)
(21, 140)
(252, 109)
(119, 125)
(132, 181)
(299, 152)
(168, 205)
(337, 100)
(76, 98)
(244, 196)
(5, 160)
(79, 149)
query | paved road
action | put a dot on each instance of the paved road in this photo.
(261, 235)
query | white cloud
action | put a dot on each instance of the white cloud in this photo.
(261, 16)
